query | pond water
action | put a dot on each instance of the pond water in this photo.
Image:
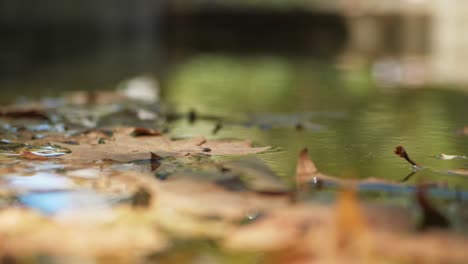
(350, 125)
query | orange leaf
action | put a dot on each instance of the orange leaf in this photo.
(305, 169)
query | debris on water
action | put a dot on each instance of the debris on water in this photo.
(217, 128)
(305, 168)
(206, 149)
(443, 156)
(192, 116)
(296, 121)
(142, 131)
(401, 152)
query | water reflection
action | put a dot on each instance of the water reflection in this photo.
(65, 201)
(41, 181)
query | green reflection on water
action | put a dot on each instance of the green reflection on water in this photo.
(360, 143)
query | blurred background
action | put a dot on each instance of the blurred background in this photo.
(93, 44)
(372, 74)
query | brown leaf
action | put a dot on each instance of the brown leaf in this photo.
(124, 147)
(142, 131)
(24, 113)
(155, 161)
(305, 169)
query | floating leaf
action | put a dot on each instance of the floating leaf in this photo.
(305, 169)
(450, 157)
(124, 147)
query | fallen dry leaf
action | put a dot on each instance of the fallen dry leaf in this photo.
(33, 112)
(305, 169)
(26, 233)
(142, 131)
(124, 147)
